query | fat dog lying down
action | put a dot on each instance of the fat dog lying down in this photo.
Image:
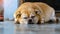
(34, 12)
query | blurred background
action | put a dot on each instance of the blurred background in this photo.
(8, 7)
(1, 11)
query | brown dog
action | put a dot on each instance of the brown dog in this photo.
(34, 12)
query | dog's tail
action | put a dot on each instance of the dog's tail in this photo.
(57, 19)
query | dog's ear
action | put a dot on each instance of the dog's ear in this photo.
(18, 15)
(37, 12)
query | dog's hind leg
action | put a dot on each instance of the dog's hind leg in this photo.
(53, 17)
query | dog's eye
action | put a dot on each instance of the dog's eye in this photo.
(32, 16)
(25, 17)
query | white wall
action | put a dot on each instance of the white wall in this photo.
(9, 8)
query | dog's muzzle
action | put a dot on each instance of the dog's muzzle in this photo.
(30, 21)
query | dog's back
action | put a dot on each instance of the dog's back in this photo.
(47, 11)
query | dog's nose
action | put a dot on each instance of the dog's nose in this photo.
(30, 20)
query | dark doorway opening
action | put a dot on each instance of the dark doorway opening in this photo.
(54, 3)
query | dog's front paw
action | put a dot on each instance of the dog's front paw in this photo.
(40, 22)
(17, 22)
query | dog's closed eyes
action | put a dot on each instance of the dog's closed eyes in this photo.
(25, 17)
(32, 16)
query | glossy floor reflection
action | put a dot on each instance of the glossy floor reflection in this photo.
(8, 27)
(1, 28)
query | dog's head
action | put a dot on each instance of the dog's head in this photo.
(28, 15)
